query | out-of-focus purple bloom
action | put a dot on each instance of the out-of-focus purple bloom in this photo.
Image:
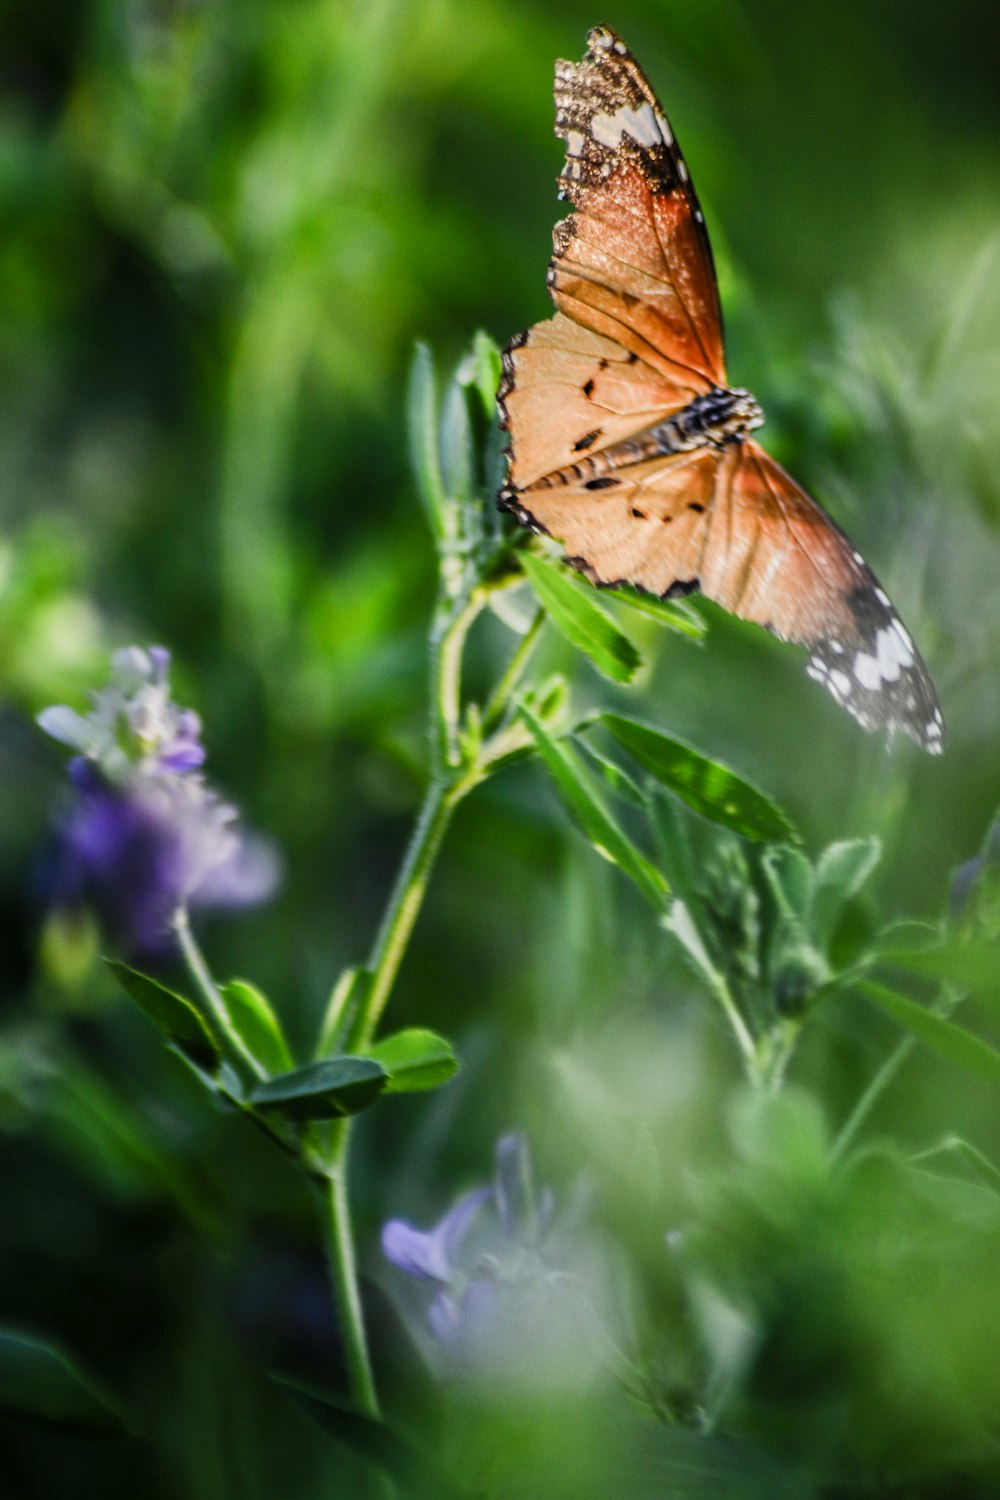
(505, 1290)
(970, 878)
(144, 837)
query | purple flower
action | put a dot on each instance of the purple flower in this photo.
(144, 837)
(504, 1290)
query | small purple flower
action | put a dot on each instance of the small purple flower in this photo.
(144, 837)
(504, 1293)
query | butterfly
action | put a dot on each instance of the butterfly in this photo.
(627, 444)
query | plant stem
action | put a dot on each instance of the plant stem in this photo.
(448, 643)
(440, 801)
(500, 696)
(869, 1099)
(339, 1240)
(200, 972)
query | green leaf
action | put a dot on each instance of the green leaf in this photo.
(674, 846)
(681, 923)
(421, 415)
(349, 994)
(457, 450)
(971, 966)
(415, 1060)
(251, 1014)
(582, 802)
(614, 777)
(790, 876)
(176, 1017)
(482, 369)
(841, 871)
(576, 614)
(667, 612)
(369, 1438)
(41, 1382)
(952, 1042)
(712, 790)
(324, 1090)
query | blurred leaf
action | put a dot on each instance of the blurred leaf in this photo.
(576, 614)
(39, 1381)
(414, 1060)
(457, 450)
(674, 846)
(841, 871)
(681, 923)
(670, 613)
(585, 807)
(669, 1463)
(790, 876)
(614, 777)
(348, 995)
(981, 1166)
(972, 966)
(712, 790)
(322, 1090)
(421, 412)
(951, 1041)
(251, 1014)
(481, 369)
(176, 1017)
(373, 1441)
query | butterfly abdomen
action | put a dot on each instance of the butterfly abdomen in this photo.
(711, 421)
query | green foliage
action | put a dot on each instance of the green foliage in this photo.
(327, 1090)
(42, 1383)
(573, 609)
(175, 1016)
(415, 1060)
(711, 789)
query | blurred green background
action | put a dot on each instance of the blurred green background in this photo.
(223, 227)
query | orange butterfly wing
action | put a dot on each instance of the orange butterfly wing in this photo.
(637, 338)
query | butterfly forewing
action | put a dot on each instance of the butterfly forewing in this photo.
(637, 338)
(633, 262)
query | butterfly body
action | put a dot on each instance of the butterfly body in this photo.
(627, 443)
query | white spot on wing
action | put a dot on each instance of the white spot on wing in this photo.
(682, 170)
(575, 142)
(641, 124)
(840, 682)
(866, 670)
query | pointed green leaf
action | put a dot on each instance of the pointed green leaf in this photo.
(457, 452)
(348, 996)
(176, 1017)
(680, 922)
(790, 876)
(841, 871)
(674, 847)
(482, 369)
(670, 613)
(41, 1382)
(952, 1042)
(580, 798)
(250, 1012)
(712, 790)
(614, 777)
(322, 1090)
(421, 413)
(973, 966)
(415, 1060)
(370, 1439)
(576, 614)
